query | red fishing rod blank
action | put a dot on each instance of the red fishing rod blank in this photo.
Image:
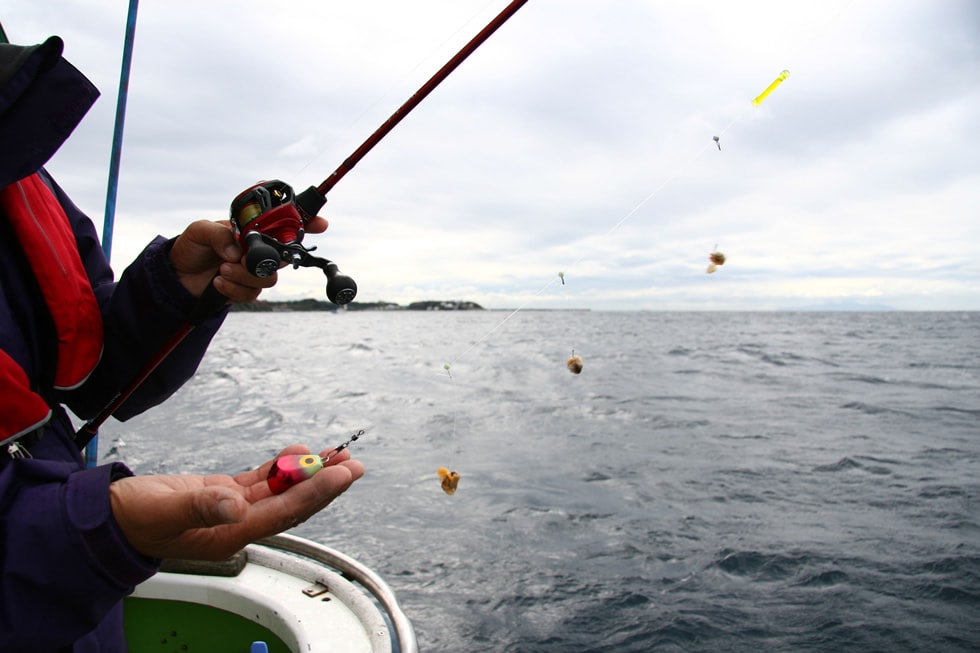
(419, 95)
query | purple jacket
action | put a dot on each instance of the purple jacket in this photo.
(64, 561)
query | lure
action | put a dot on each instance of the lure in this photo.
(449, 480)
(717, 140)
(575, 364)
(769, 89)
(287, 471)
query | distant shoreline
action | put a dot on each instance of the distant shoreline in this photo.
(314, 305)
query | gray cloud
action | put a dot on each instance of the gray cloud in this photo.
(578, 138)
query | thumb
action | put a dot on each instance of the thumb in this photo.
(203, 244)
(218, 237)
(214, 506)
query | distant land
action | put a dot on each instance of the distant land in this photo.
(313, 305)
(263, 306)
(843, 305)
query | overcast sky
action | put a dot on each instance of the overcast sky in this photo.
(578, 139)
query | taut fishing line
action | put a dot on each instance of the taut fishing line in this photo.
(629, 214)
(449, 477)
(575, 362)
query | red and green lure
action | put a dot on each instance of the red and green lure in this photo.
(287, 471)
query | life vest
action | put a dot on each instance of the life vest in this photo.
(46, 236)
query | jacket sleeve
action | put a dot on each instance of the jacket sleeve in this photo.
(140, 313)
(65, 562)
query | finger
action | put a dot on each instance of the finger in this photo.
(236, 292)
(332, 456)
(238, 285)
(215, 236)
(333, 481)
(202, 507)
(356, 468)
(175, 512)
(219, 237)
(294, 506)
(237, 273)
(316, 225)
(214, 506)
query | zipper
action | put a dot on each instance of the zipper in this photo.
(16, 450)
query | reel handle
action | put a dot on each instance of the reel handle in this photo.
(341, 289)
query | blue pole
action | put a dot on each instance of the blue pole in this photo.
(117, 136)
(92, 449)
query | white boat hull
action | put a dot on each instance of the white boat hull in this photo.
(295, 594)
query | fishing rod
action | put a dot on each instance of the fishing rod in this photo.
(264, 252)
(269, 220)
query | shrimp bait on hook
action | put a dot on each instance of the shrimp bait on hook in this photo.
(717, 259)
(449, 480)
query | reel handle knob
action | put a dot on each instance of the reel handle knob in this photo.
(341, 289)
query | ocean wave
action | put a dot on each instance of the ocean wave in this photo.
(693, 490)
(827, 578)
(871, 409)
(763, 567)
(970, 412)
(841, 465)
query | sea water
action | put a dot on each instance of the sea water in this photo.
(710, 481)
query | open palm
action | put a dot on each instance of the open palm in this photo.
(212, 517)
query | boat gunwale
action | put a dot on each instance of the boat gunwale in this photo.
(366, 598)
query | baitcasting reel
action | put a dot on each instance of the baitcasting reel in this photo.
(268, 221)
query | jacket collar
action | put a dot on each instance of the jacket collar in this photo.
(42, 100)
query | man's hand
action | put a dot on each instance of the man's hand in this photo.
(208, 248)
(212, 517)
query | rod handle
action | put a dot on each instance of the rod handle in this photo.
(209, 303)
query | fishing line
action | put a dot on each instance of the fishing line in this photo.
(612, 230)
(801, 45)
(311, 200)
(666, 182)
(315, 197)
(575, 362)
(448, 476)
(452, 438)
